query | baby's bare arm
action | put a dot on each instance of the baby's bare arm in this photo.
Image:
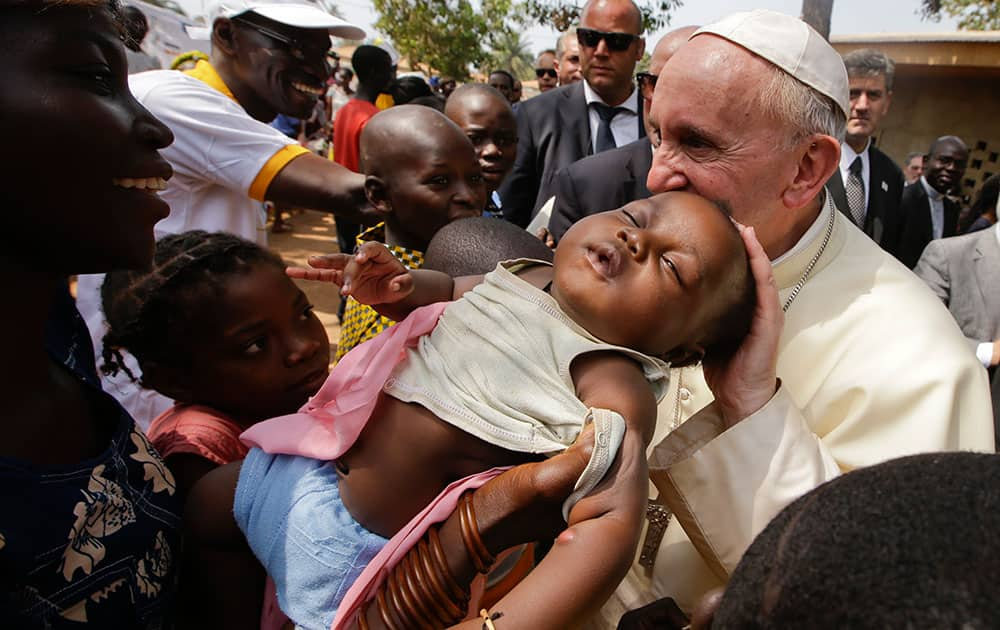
(591, 557)
(373, 276)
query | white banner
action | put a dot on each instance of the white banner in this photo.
(167, 36)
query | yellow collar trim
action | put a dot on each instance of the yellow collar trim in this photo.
(203, 71)
(411, 258)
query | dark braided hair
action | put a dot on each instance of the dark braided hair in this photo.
(150, 311)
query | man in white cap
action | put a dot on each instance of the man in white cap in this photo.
(268, 57)
(750, 113)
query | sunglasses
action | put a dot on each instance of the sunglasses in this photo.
(647, 83)
(616, 41)
(545, 72)
(295, 48)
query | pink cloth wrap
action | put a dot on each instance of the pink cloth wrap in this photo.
(328, 425)
(331, 421)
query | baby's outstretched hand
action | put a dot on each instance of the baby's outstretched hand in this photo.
(326, 268)
(374, 276)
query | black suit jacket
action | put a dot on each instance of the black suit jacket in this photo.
(553, 131)
(916, 230)
(600, 182)
(883, 220)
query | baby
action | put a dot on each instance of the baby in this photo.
(513, 369)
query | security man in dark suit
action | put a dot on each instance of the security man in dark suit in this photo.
(868, 186)
(601, 112)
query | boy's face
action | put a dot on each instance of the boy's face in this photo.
(649, 275)
(258, 349)
(502, 83)
(439, 183)
(87, 166)
(491, 127)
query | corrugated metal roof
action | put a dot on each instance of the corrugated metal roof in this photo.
(971, 37)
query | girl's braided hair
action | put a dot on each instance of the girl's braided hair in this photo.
(149, 312)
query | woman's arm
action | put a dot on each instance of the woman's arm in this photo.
(222, 583)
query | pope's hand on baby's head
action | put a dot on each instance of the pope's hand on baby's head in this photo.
(372, 275)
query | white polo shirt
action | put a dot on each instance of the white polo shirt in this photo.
(223, 159)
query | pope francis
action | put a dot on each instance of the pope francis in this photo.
(868, 365)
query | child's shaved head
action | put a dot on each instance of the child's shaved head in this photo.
(395, 136)
(474, 246)
(470, 92)
(422, 173)
(488, 121)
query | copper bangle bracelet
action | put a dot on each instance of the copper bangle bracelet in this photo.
(482, 559)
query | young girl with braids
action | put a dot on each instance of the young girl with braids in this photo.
(217, 326)
(89, 530)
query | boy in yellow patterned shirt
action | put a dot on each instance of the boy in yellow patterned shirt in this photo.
(421, 174)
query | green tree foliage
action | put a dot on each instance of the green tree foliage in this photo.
(453, 36)
(561, 15)
(510, 52)
(973, 15)
(446, 36)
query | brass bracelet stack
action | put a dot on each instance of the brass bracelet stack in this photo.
(420, 591)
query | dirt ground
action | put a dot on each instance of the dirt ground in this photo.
(312, 233)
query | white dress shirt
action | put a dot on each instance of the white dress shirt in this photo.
(624, 126)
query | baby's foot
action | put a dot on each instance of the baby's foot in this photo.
(528, 498)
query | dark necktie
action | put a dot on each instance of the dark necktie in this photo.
(606, 113)
(855, 189)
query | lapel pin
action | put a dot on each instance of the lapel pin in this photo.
(885, 187)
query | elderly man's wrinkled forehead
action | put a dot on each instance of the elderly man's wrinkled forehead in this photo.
(708, 51)
(707, 60)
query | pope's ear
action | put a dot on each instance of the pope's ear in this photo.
(683, 356)
(819, 156)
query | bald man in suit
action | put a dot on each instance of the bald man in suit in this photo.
(568, 123)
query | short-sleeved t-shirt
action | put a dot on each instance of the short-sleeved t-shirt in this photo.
(347, 126)
(223, 159)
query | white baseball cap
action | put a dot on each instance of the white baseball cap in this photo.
(790, 44)
(297, 13)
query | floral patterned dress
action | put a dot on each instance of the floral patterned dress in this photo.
(95, 542)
